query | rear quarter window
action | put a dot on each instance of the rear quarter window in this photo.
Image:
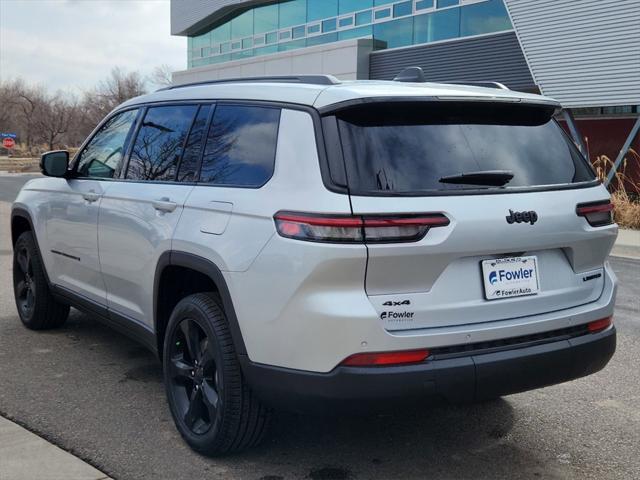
(240, 149)
(411, 148)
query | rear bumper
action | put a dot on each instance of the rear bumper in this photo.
(459, 379)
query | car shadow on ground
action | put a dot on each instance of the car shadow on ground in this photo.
(446, 440)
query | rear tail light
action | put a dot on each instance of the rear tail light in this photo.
(599, 325)
(357, 229)
(385, 358)
(597, 214)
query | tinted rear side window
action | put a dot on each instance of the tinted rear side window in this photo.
(158, 146)
(241, 146)
(409, 149)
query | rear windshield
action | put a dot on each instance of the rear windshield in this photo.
(413, 149)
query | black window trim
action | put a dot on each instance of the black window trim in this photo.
(212, 107)
(313, 112)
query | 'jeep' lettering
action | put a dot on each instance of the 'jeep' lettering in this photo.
(522, 217)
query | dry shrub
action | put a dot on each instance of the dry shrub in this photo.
(626, 192)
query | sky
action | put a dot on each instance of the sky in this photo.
(72, 44)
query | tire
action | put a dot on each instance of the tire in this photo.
(36, 306)
(213, 408)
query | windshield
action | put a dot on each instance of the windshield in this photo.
(450, 147)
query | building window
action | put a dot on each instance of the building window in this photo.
(363, 18)
(272, 37)
(447, 3)
(298, 32)
(424, 4)
(301, 23)
(402, 9)
(345, 22)
(382, 14)
(329, 25)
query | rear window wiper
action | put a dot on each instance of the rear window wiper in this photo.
(493, 178)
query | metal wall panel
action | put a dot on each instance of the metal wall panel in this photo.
(584, 53)
(188, 17)
(488, 58)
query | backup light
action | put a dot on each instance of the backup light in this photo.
(357, 229)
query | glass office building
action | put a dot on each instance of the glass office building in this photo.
(295, 24)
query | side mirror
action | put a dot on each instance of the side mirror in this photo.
(55, 164)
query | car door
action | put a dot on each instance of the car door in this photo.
(72, 209)
(139, 213)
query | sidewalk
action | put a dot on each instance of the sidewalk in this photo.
(25, 456)
(627, 244)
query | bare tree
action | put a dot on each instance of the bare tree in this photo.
(161, 76)
(119, 87)
(46, 120)
(53, 120)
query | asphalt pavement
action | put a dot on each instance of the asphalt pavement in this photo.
(99, 395)
(10, 185)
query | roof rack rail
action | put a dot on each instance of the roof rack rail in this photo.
(303, 79)
(499, 85)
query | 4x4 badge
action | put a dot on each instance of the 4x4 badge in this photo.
(522, 217)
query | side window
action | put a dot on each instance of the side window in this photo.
(188, 171)
(158, 145)
(102, 157)
(241, 146)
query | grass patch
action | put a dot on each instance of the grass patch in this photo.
(626, 192)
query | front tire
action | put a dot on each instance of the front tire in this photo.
(213, 408)
(36, 306)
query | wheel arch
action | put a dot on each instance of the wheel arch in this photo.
(20, 223)
(197, 266)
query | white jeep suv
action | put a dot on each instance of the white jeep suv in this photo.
(305, 243)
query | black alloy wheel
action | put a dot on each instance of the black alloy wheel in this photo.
(213, 407)
(25, 287)
(194, 376)
(37, 308)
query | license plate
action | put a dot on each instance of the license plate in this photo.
(510, 277)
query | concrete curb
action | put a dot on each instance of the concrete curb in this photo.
(627, 244)
(25, 456)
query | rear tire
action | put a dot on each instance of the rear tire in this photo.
(36, 306)
(213, 408)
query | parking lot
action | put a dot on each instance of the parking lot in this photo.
(99, 395)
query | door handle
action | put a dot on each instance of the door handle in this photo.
(91, 196)
(164, 205)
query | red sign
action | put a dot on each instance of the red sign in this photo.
(8, 142)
